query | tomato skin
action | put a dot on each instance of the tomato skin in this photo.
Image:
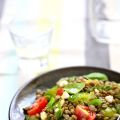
(60, 91)
(42, 102)
(83, 112)
(92, 116)
(85, 107)
(38, 106)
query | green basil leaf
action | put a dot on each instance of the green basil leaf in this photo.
(96, 75)
(74, 88)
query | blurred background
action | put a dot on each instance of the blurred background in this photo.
(83, 33)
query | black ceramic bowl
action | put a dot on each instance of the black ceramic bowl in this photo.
(25, 95)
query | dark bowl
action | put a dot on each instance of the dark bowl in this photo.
(25, 95)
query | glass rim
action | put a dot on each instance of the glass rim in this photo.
(12, 29)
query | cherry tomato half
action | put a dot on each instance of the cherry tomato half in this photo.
(38, 106)
(83, 112)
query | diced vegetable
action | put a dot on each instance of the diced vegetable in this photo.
(62, 83)
(43, 115)
(58, 110)
(38, 106)
(95, 102)
(57, 105)
(51, 102)
(82, 97)
(109, 98)
(74, 88)
(62, 101)
(60, 91)
(96, 75)
(83, 112)
(51, 92)
(65, 95)
(109, 112)
(58, 113)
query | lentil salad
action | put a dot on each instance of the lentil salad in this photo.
(87, 97)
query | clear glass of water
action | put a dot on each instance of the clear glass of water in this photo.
(104, 17)
(32, 41)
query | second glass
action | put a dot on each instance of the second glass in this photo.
(104, 17)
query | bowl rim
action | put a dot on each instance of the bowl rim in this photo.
(49, 72)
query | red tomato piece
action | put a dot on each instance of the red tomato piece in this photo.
(92, 116)
(83, 112)
(84, 107)
(38, 106)
(60, 91)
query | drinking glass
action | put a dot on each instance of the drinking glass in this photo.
(104, 17)
(32, 41)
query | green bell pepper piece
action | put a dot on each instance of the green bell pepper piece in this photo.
(51, 92)
(82, 97)
(58, 113)
(51, 102)
(95, 102)
(109, 112)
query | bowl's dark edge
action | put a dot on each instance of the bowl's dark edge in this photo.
(58, 69)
